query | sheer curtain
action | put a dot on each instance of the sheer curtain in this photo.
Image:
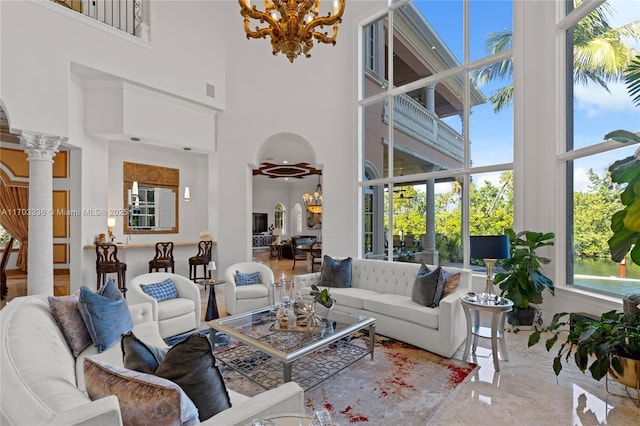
(14, 203)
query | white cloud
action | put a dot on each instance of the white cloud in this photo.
(595, 100)
(580, 180)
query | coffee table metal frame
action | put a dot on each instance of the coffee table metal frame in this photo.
(320, 354)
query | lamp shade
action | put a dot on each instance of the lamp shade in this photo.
(212, 266)
(111, 222)
(489, 246)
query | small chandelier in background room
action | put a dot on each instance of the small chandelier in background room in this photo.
(314, 202)
(292, 24)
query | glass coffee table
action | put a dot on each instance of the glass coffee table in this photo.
(270, 356)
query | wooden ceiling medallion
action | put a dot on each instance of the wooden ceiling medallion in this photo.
(297, 171)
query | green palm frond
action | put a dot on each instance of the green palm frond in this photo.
(632, 79)
(502, 97)
(601, 54)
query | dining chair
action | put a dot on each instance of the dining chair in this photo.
(316, 255)
(299, 254)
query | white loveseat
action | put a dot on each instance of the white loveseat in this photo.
(42, 383)
(382, 290)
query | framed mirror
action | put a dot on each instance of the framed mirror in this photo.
(152, 202)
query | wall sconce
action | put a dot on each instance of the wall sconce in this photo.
(111, 222)
(187, 194)
(134, 188)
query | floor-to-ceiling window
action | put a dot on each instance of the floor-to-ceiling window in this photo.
(601, 40)
(437, 127)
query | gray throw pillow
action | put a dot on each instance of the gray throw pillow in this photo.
(106, 315)
(66, 313)
(335, 273)
(192, 366)
(138, 356)
(427, 287)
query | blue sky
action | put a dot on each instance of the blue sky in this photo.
(596, 112)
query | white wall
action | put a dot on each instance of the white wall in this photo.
(52, 90)
(35, 86)
(314, 98)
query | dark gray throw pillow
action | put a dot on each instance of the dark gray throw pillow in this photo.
(138, 356)
(192, 366)
(335, 273)
(427, 287)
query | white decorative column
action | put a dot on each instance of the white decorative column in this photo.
(430, 91)
(41, 150)
(431, 254)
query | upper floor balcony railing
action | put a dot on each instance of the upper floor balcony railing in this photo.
(413, 119)
(125, 15)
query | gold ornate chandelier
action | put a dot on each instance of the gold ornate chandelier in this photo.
(292, 24)
(314, 202)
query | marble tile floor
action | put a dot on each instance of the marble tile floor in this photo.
(524, 392)
(527, 392)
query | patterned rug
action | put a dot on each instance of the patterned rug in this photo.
(402, 385)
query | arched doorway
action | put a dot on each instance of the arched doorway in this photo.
(285, 168)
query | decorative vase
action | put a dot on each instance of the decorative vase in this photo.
(324, 312)
(631, 373)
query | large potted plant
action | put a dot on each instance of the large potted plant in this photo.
(522, 281)
(609, 344)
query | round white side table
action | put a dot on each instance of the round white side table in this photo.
(473, 305)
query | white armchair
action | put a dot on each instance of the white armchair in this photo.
(174, 316)
(245, 298)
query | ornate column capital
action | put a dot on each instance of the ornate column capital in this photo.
(39, 146)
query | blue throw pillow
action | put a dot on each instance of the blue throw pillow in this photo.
(246, 279)
(106, 315)
(335, 273)
(161, 291)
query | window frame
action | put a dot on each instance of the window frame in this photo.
(466, 171)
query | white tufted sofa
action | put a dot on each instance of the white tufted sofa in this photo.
(382, 290)
(42, 383)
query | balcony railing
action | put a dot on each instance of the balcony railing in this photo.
(125, 15)
(413, 119)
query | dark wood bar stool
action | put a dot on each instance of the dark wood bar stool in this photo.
(163, 258)
(202, 258)
(107, 263)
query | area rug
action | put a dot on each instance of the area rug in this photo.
(402, 385)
